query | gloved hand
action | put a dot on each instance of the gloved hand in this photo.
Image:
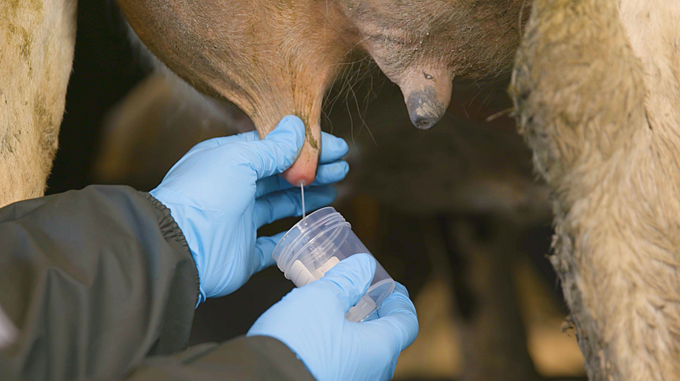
(224, 189)
(310, 320)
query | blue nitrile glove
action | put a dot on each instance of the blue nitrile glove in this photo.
(224, 189)
(310, 320)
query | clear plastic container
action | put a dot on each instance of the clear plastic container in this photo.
(316, 244)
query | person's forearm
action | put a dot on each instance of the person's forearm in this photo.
(94, 282)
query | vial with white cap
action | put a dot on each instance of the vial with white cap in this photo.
(316, 244)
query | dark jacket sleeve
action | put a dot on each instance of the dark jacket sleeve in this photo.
(100, 284)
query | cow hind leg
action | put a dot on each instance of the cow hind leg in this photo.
(36, 51)
(596, 92)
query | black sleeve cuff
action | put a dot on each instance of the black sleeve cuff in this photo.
(171, 231)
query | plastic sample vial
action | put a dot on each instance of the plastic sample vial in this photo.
(316, 244)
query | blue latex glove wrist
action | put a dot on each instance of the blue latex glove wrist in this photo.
(311, 321)
(224, 189)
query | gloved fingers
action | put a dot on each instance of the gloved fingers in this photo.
(349, 280)
(331, 172)
(397, 318)
(332, 148)
(249, 136)
(400, 288)
(264, 246)
(278, 150)
(272, 184)
(326, 174)
(288, 203)
(403, 302)
(222, 140)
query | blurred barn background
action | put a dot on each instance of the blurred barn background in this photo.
(454, 213)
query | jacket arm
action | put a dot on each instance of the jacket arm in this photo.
(100, 284)
(94, 281)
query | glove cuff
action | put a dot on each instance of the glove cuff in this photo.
(165, 197)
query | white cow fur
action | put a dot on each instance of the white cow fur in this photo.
(37, 39)
(596, 87)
